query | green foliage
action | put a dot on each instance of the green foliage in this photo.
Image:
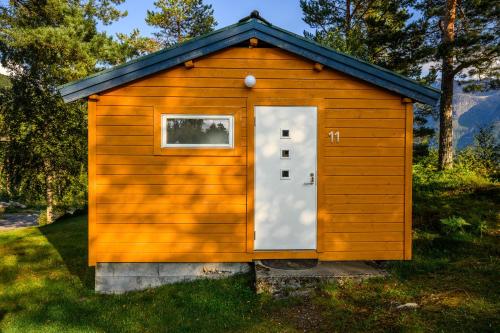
(453, 225)
(45, 44)
(4, 81)
(179, 20)
(475, 47)
(380, 32)
(135, 45)
(461, 191)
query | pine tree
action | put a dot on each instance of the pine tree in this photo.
(463, 38)
(44, 44)
(378, 31)
(179, 20)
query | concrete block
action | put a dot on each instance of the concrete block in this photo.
(117, 278)
(135, 269)
(104, 269)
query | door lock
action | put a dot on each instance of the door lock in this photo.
(311, 181)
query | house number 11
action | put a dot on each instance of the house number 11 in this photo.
(334, 136)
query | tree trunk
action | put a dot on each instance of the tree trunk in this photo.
(347, 17)
(49, 193)
(447, 80)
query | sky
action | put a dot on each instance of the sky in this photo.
(283, 13)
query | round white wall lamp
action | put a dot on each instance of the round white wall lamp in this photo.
(250, 81)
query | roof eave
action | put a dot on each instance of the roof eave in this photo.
(238, 33)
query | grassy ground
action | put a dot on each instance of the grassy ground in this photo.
(46, 286)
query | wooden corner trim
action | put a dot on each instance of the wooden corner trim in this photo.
(407, 100)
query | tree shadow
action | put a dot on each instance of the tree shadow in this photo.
(72, 246)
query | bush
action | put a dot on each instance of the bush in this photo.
(454, 225)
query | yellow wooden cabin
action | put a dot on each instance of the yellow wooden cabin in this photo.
(249, 143)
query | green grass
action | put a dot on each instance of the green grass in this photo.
(46, 286)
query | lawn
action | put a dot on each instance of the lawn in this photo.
(46, 286)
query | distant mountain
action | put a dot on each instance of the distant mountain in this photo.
(471, 111)
(4, 81)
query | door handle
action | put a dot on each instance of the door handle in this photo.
(311, 181)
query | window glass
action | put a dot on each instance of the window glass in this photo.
(197, 131)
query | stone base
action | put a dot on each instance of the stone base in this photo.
(285, 282)
(117, 278)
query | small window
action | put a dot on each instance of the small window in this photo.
(285, 153)
(285, 174)
(285, 134)
(191, 131)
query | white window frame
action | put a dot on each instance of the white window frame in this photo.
(166, 116)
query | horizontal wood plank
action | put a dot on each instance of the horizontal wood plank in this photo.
(386, 236)
(362, 246)
(122, 140)
(171, 101)
(363, 161)
(363, 170)
(361, 255)
(171, 218)
(213, 247)
(171, 160)
(370, 123)
(170, 180)
(264, 83)
(333, 199)
(117, 169)
(171, 199)
(363, 189)
(364, 142)
(124, 111)
(172, 257)
(364, 180)
(153, 208)
(363, 227)
(394, 104)
(363, 114)
(124, 150)
(222, 189)
(363, 151)
(124, 130)
(197, 228)
(363, 218)
(142, 237)
(365, 208)
(124, 120)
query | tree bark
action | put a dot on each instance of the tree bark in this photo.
(347, 17)
(447, 80)
(49, 193)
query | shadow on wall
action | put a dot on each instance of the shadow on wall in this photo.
(72, 247)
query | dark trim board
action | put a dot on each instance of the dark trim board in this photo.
(236, 34)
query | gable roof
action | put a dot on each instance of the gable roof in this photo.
(250, 27)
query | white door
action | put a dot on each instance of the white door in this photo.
(285, 178)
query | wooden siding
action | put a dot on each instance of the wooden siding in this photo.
(146, 206)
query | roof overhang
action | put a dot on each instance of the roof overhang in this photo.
(238, 33)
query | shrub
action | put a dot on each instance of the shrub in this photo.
(454, 225)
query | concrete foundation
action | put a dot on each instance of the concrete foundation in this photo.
(285, 282)
(117, 278)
